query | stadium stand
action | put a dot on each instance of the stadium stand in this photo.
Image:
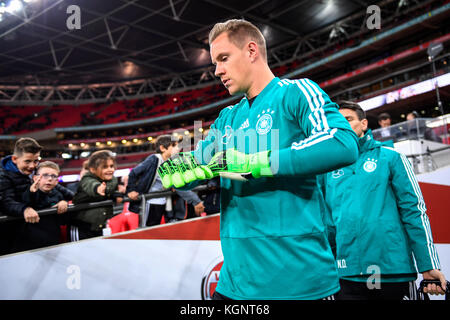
(358, 67)
(401, 63)
(80, 101)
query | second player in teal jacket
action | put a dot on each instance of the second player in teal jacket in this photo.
(379, 216)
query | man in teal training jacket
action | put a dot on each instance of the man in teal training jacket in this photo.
(275, 141)
(379, 221)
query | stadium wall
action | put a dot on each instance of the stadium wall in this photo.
(171, 261)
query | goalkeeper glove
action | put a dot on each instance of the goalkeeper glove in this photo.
(240, 166)
(182, 169)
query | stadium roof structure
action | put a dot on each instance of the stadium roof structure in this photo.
(127, 49)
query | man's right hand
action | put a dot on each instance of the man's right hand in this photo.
(133, 195)
(31, 216)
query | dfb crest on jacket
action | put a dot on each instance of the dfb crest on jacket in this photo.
(265, 121)
(370, 165)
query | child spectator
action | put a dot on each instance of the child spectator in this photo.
(15, 172)
(74, 185)
(15, 178)
(42, 194)
(98, 184)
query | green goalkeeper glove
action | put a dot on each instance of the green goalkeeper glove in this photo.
(236, 165)
(182, 169)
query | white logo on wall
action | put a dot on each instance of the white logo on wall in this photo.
(265, 121)
(210, 278)
(370, 165)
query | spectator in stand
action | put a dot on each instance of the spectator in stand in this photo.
(183, 206)
(387, 132)
(42, 194)
(15, 172)
(419, 129)
(122, 188)
(98, 184)
(144, 179)
(74, 185)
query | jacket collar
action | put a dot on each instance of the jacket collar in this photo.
(367, 142)
(9, 165)
(264, 91)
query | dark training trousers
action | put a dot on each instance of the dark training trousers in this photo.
(155, 214)
(353, 290)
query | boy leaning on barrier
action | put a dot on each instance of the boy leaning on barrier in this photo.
(42, 194)
(15, 179)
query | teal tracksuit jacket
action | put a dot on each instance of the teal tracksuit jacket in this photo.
(272, 233)
(378, 217)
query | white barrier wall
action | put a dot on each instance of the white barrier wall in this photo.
(174, 261)
(110, 269)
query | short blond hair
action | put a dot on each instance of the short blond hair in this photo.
(48, 164)
(239, 32)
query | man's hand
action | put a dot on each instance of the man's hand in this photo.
(182, 169)
(62, 206)
(199, 208)
(101, 189)
(30, 215)
(133, 195)
(35, 186)
(232, 162)
(434, 274)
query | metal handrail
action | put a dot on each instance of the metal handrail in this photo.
(429, 152)
(101, 204)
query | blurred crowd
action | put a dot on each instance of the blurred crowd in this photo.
(29, 184)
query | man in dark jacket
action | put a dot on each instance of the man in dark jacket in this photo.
(15, 171)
